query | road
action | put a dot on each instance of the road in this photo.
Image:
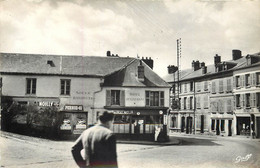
(17, 151)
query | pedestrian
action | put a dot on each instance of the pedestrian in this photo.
(97, 144)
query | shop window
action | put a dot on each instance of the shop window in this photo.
(185, 103)
(222, 126)
(205, 85)
(154, 98)
(206, 103)
(115, 97)
(31, 86)
(174, 122)
(247, 80)
(121, 119)
(65, 86)
(152, 120)
(191, 102)
(247, 100)
(238, 100)
(221, 86)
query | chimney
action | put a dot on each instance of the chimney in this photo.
(202, 64)
(148, 62)
(204, 70)
(217, 59)
(108, 53)
(236, 54)
(172, 69)
(195, 65)
(140, 72)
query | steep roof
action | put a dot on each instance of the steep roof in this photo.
(65, 65)
(117, 71)
(190, 73)
(128, 76)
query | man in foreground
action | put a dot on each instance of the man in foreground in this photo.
(97, 144)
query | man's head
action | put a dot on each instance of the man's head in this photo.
(106, 118)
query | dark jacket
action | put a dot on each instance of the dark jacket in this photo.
(99, 144)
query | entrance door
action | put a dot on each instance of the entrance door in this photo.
(217, 128)
(229, 127)
(243, 126)
(139, 124)
(189, 125)
(202, 124)
(182, 124)
(258, 127)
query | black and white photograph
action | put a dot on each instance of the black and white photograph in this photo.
(130, 83)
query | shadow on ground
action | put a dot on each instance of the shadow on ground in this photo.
(195, 141)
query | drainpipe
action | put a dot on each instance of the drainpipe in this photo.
(94, 94)
(194, 93)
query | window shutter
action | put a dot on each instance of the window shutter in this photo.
(122, 98)
(108, 97)
(182, 103)
(242, 80)
(242, 100)
(253, 99)
(188, 103)
(253, 79)
(234, 82)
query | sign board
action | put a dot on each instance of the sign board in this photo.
(73, 107)
(164, 119)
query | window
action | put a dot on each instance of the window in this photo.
(198, 86)
(185, 87)
(247, 100)
(206, 104)
(198, 102)
(31, 86)
(247, 78)
(213, 87)
(191, 102)
(258, 78)
(222, 126)
(154, 98)
(238, 100)
(237, 81)
(65, 87)
(221, 86)
(229, 105)
(185, 103)
(258, 100)
(229, 87)
(191, 86)
(253, 99)
(205, 85)
(115, 97)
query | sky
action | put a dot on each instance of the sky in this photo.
(134, 28)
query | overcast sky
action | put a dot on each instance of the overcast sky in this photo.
(129, 28)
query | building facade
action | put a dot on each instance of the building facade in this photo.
(224, 97)
(80, 87)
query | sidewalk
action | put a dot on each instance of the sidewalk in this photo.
(212, 136)
(172, 140)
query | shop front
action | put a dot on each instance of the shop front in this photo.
(139, 123)
(221, 124)
(74, 120)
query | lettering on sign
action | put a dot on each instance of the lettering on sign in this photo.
(48, 104)
(74, 107)
(81, 98)
(122, 112)
(134, 97)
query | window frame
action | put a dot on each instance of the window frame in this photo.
(154, 98)
(66, 89)
(31, 86)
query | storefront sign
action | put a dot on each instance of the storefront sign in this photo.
(164, 119)
(73, 107)
(48, 103)
(122, 112)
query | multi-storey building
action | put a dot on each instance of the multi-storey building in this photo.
(220, 104)
(81, 86)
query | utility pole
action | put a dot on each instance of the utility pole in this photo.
(194, 106)
(1, 117)
(178, 71)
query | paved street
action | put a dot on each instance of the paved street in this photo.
(199, 151)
